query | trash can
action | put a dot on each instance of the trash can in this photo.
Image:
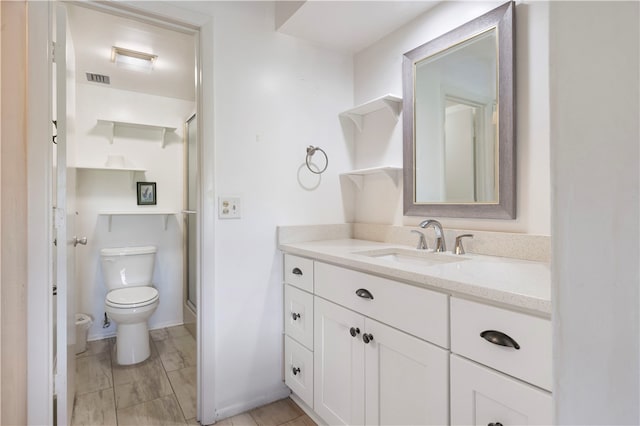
(83, 322)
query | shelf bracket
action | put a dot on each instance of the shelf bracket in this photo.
(166, 221)
(164, 140)
(393, 175)
(109, 221)
(356, 118)
(112, 126)
(358, 180)
(393, 106)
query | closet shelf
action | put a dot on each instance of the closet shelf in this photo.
(110, 215)
(357, 176)
(115, 169)
(390, 102)
(131, 170)
(114, 124)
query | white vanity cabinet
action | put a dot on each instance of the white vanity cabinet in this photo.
(361, 349)
(367, 372)
(509, 342)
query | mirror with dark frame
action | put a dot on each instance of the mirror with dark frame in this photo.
(459, 121)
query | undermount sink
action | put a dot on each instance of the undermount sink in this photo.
(412, 257)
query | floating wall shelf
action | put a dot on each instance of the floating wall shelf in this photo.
(136, 213)
(114, 124)
(131, 170)
(390, 102)
(357, 176)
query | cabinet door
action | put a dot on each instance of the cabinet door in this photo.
(339, 364)
(407, 379)
(480, 396)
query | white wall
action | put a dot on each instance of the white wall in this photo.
(378, 70)
(595, 107)
(274, 95)
(112, 191)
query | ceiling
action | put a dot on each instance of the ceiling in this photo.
(94, 33)
(341, 25)
(350, 25)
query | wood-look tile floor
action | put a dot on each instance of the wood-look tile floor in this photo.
(158, 391)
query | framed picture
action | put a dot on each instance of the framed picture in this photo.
(146, 193)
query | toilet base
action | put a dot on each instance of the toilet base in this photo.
(132, 343)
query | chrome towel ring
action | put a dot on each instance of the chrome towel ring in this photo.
(312, 150)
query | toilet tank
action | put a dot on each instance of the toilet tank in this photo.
(127, 266)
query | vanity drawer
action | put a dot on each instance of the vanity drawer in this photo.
(531, 362)
(417, 311)
(298, 272)
(298, 370)
(298, 315)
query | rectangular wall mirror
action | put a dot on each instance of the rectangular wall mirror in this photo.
(459, 121)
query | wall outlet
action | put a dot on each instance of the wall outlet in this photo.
(229, 208)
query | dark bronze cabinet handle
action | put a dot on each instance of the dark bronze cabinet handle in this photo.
(367, 337)
(297, 271)
(296, 370)
(495, 424)
(364, 293)
(499, 338)
(295, 315)
(354, 331)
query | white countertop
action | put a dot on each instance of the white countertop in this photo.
(517, 283)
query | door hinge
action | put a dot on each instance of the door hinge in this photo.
(53, 51)
(58, 217)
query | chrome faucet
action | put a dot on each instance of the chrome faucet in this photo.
(422, 242)
(441, 245)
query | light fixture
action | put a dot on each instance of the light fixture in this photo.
(132, 59)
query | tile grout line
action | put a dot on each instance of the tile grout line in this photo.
(173, 391)
(113, 380)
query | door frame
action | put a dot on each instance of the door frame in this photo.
(40, 218)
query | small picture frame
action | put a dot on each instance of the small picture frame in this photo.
(146, 193)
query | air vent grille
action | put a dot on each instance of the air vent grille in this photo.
(98, 78)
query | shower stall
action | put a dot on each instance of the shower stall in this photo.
(190, 215)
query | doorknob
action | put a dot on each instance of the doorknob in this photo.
(77, 241)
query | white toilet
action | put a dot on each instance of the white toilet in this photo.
(131, 299)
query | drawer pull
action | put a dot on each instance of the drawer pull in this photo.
(367, 337)
(295, 315)
(295, 370)
(364, 293)
(354, 331)
(495, 424)
(297, 271)
(498, 338)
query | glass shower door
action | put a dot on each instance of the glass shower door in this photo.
(190, 216)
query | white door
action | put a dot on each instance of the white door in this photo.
(338, 364)
(481, 396)
(407, 380)
(64, 224)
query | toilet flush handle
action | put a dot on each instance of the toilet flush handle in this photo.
(77, 241)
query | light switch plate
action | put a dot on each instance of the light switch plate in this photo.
(229, 208)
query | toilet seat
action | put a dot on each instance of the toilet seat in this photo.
(131, 297)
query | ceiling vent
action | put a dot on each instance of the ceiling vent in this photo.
(98, 78)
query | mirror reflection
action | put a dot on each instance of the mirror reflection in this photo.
(456, 123)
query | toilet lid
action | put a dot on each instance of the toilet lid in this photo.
(132, 295)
